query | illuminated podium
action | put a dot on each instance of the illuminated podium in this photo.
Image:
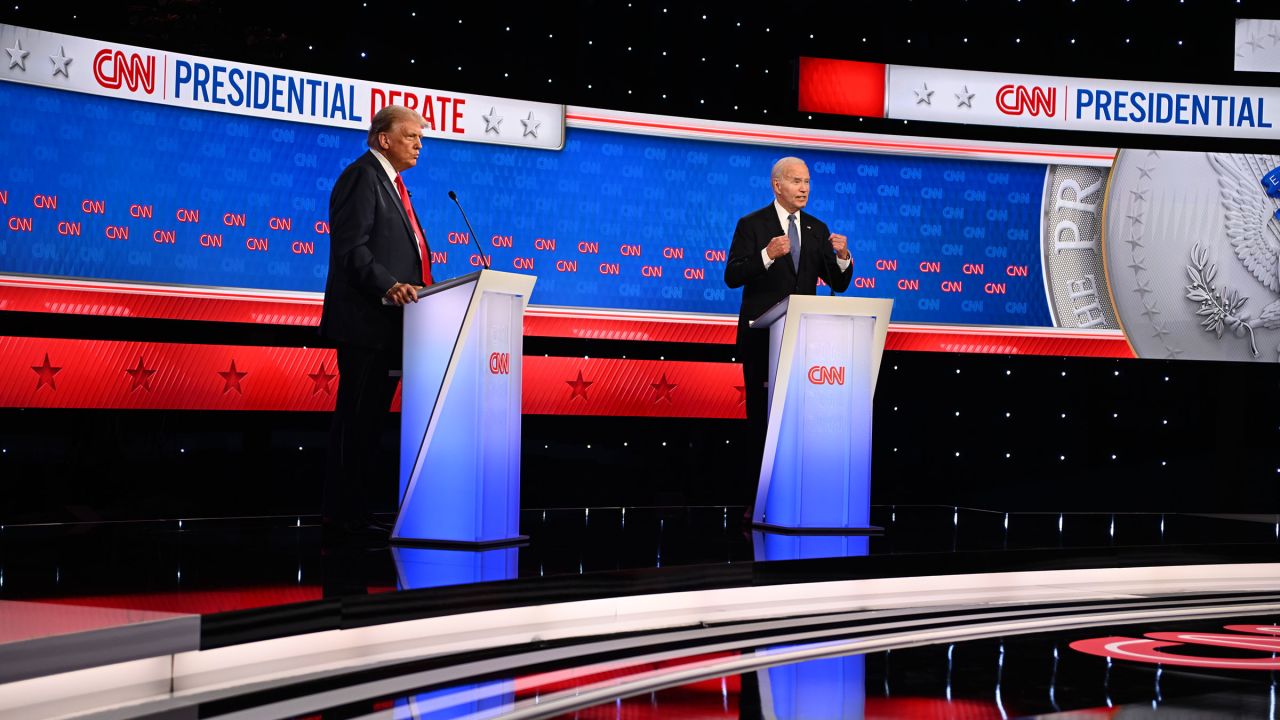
(824, 358)
(460, 412)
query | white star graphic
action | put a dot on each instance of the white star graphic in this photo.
(964, 98)
(17, 56)
(924, 95)
(530, 125)
(60, 63)
(492, 121)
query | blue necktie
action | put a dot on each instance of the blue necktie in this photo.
(794, 234)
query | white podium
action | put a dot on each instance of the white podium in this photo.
(824, 358)
(460, 412)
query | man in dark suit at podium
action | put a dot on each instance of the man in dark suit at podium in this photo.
(378, 258)
(778, 251)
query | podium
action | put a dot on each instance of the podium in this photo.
(460, 412)
(824, 358)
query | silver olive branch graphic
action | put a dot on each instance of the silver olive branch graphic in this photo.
(1220, 309)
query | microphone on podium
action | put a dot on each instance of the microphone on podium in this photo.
(454, 197)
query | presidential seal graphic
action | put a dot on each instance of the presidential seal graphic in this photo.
(1192, 244)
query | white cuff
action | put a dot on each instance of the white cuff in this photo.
(764, 255)
(844, 263)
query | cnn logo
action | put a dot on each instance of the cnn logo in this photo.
(1019, 99)
(826, 375)
(500, 363)
(112, 69)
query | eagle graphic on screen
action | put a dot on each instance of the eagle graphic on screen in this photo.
(1249, 187)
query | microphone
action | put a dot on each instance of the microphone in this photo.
(454, 197)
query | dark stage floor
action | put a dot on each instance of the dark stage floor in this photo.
(651, 612)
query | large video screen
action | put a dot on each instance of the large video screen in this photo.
(107, 189)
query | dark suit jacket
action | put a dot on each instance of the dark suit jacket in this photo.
(765, 288)
(371, 247)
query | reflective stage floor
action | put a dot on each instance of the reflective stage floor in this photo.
(644, 612)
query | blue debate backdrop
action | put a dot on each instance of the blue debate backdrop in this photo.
(113, 189)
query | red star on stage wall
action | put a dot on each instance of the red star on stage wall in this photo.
(321, 378)
(140, 376)
(662, 389)
(46, 373)
(579, 387)
(231, 378)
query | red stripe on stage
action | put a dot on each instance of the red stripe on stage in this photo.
(635, 388)
(110, 300)
(114, 374)
(1111, 346)
(842, 87)
(122, 375)
(622, 328)
(920, 145)
(108, 374)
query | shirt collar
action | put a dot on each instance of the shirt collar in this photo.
(386, 165)
(782, 215)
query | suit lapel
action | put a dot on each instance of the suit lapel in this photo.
(395, 200)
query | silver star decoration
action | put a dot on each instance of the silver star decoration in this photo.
(1137, 264)
(924, 95)
(1144, 172)
(1149, 310)
(1135, 241)
(1144, 288)
(17, 56)
(1135, 219)
(492, 122)
(60, 63)
(964, 98)
(1160, 330)
(1139, 196)
(530, 125)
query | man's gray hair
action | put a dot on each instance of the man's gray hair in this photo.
(781, 166)
(387, 117)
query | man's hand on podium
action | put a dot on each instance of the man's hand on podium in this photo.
(402, 294)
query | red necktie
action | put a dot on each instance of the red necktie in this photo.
(417, 231)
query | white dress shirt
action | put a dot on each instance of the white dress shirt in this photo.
(782, 220)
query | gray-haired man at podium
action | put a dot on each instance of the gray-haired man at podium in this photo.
(378, 256)
(778, 251)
